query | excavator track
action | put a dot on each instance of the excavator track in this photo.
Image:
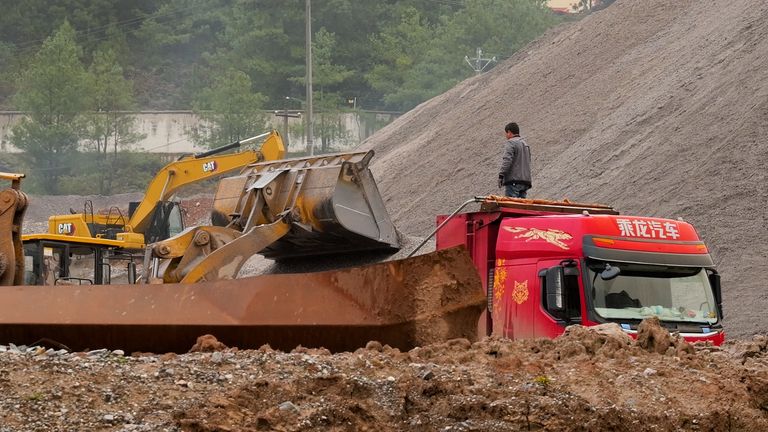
(403, 303)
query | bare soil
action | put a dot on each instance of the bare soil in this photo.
(588, 380)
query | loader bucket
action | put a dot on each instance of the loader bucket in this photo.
(333, 200)
(403, 303)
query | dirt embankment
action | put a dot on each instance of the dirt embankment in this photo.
(657, 107)
(588, 380)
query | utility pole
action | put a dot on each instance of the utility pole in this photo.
(285, 114)
(478, 63)
(310, 141)
(285, 125)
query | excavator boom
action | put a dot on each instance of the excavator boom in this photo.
(148, 221)
(195, 168)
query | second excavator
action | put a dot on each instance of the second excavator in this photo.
(93, 247)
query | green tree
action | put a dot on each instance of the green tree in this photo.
(397, 53)
(54, 95)
(262, 38)
(173, 44)
(6, 59)
(230, 110)
(326, 76)
(428, 60)
(398, 49)
(109, 127)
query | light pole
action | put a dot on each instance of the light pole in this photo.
(308, 38)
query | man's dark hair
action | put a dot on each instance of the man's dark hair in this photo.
(512, 127)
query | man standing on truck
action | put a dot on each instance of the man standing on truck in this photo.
(515, 173)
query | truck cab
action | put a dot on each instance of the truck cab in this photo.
(546, 265)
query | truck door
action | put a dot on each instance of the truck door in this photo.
(514, 299)
(560, 297)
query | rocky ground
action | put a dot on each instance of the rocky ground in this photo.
(587, 380)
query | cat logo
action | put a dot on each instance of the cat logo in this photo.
(209, 166)
(67, 228)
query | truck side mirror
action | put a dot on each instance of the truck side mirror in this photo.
(554, 289)
(714, 280)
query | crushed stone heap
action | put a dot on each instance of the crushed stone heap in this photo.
(657, 107)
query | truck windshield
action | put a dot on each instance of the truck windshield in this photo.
(679, 294)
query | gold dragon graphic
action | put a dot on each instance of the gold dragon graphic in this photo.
(551, 236)
(499, 281)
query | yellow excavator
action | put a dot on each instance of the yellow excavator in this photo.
(291, 209)
(88, 248)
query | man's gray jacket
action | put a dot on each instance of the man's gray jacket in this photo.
(516, 163)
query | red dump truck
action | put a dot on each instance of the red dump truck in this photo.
(546, 265)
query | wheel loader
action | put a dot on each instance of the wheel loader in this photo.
(188, 285)
(13, 204)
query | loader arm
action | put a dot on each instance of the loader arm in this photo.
(13, 204)
(297, 207)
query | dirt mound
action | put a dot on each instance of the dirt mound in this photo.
(497, 385)
(590, 379)
(656, 107)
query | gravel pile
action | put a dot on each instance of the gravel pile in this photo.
(656, 107)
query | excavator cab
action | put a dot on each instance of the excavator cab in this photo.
(51, 262)
(167, 221)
